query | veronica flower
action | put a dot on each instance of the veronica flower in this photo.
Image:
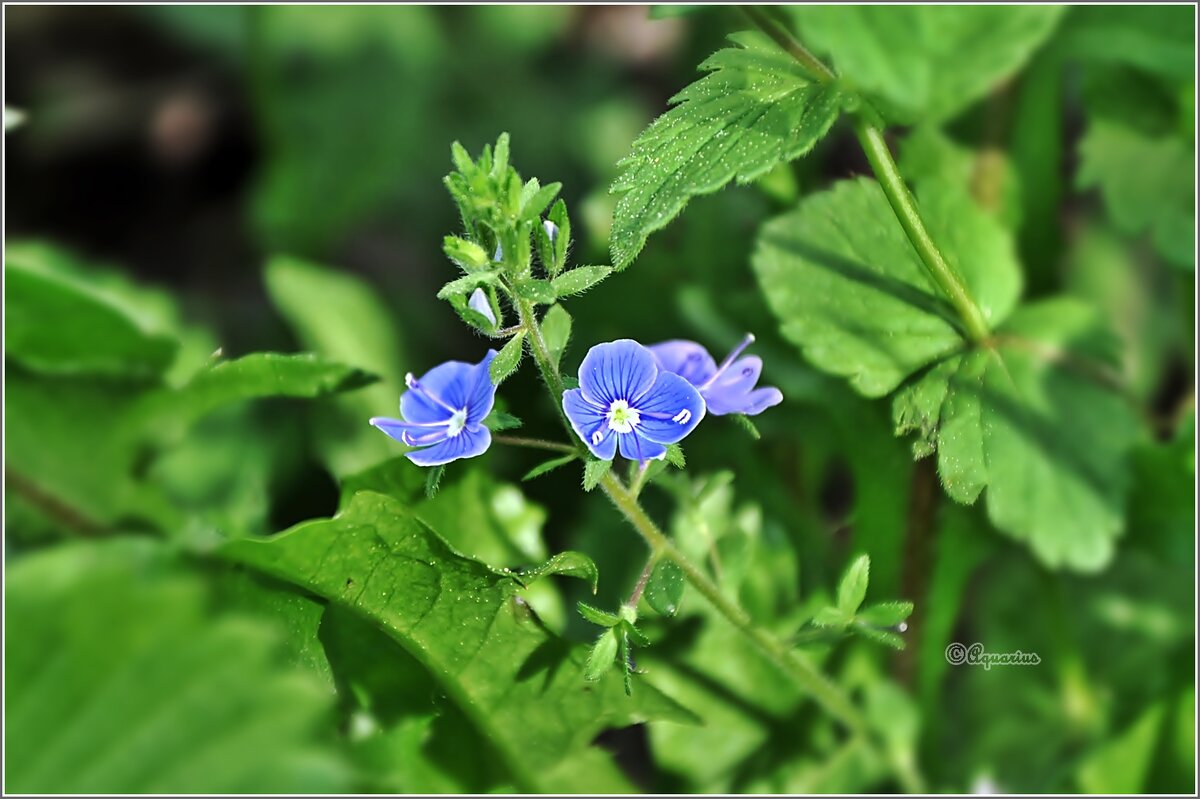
(444, 411)
(624, 401)
(728, 388)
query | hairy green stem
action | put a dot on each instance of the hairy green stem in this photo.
(803, 673)
(643, 579)
(888, 174)
(534, 443)
(905, 208)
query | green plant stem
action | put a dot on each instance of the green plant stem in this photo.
(827, 693)
(643, 579)
(803, 673)
(888, 174)
(534, 443)
(905, 208)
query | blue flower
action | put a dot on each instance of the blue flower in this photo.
(728, 388)
(444, 412)
(625, 401)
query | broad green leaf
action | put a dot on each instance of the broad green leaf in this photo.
(519, 684)
(1147, 184)
(593, 472)
(852, 589)
(122, 680)
(1034, 421)
(317, 303)
(260, 374)
(852, 293)
(556, 329)
(925, 62)
(756, 109)
(547, 466)
(1155, 38)
(508, 359)
(665, 587)
(579, 280)
(55, 324)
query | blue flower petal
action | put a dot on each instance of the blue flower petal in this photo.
(456, 385)
(479, 303)
(618, 370)
(733, 391)
(669, 410)
(687, 359)
(470, 442)
(588, 422)
(635, 447)
(402, 430)
(481, 395)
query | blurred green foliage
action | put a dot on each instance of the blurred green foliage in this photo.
(160, 422)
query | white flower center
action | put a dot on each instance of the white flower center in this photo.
(621, 417)
(457, 422)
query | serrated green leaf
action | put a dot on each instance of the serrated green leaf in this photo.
(593, 472)
(665, 587)
(756, 109)
(596, 616)
(569, 564)
(123, 681)
(1147, 184)
(508, 359)
(498, 421)
(556, 329)
(579, 280)
(856, 298)
(548, 466)
(852, 590)
(925, 62)
(534, 290)
(55, 324)
(468, 255)
(1033, 420)
(886, 614)
(603, 655)
(462, 620)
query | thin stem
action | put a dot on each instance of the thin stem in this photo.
(888, 174)
(541, 356)
(639, 481)
(647, 570)
(534, 443)
(905, 208)
(827, 694)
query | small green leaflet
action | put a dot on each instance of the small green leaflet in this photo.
(548, 466)
(463, 621)
(593, 472)
(927, 62)
(756, 109)
(852, 590)
(571, 564)
(579, 280)
(665, 587)
(507, 360)
(556, 329)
